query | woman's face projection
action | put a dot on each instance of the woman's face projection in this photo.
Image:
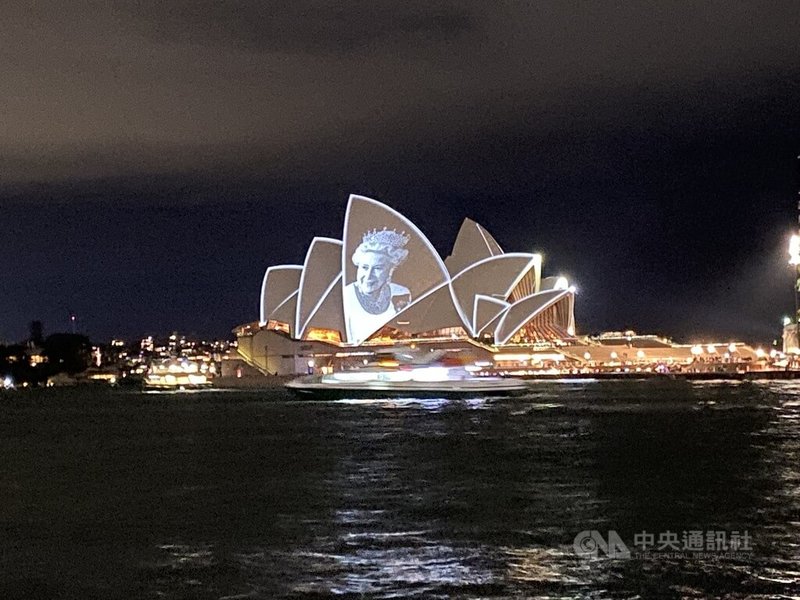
(373, 272)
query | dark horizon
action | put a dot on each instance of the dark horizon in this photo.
(157, 161)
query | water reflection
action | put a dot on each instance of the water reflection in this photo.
(551, 566)
(252, 495)
(401, 568)
(432, 404)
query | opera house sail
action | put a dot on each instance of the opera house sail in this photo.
(384, 282)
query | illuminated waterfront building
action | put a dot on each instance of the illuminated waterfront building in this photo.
(383, 287)
(384, 283)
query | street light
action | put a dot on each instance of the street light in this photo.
(794, 250)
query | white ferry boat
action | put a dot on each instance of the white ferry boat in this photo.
(436, 379)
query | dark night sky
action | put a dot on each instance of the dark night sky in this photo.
(156, 157)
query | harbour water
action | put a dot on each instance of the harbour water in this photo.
(251, 494)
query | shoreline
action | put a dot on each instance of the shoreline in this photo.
(689, 376)
(275, 381)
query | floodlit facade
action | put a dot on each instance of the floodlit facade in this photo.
(384, 282)
(383, 287)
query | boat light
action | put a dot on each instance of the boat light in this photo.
(430, 374)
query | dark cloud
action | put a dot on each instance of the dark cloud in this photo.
(309, 27)
(646, 148)
(106, 89)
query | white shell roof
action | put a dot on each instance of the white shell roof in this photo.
(421, 272)
(286, 311)
(478, 288)
(495, 276)
(485, 311)
(329, 313)
(433, 311)
(523, 311)
(473, 243)
(321, 270)
(279, 283)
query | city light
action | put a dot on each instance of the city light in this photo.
(794, 250)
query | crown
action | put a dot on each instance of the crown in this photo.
(386, 237)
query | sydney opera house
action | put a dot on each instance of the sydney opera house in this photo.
(385, 284)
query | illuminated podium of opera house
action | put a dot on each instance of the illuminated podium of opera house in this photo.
(383, 285)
